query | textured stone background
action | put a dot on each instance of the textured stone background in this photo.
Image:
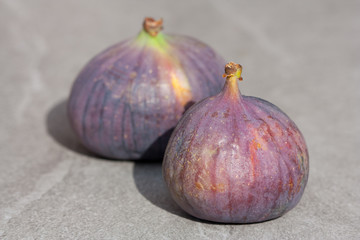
(303, 56)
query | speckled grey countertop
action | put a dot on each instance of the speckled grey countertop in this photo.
(304, 56)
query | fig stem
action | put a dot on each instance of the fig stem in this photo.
(153, 27)
(233, 70)
(232, 74)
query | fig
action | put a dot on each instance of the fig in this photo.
(235, 158)
(127, 100)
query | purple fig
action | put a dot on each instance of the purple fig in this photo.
(127, 99)
(236, 159)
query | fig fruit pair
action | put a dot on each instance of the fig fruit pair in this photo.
(231, 158)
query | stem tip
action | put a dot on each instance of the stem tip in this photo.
(233, 70)
(152, 27)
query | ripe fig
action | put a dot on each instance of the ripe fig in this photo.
(127, 99)
(236, 159)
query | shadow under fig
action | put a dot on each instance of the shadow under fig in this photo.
(58, 127)
(149, 182)
(157, 148)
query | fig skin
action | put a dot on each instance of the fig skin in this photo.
(127, 100)
(236, 159)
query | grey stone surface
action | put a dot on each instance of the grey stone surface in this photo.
(304, 56)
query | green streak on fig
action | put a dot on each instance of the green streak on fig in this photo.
(151, 36)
